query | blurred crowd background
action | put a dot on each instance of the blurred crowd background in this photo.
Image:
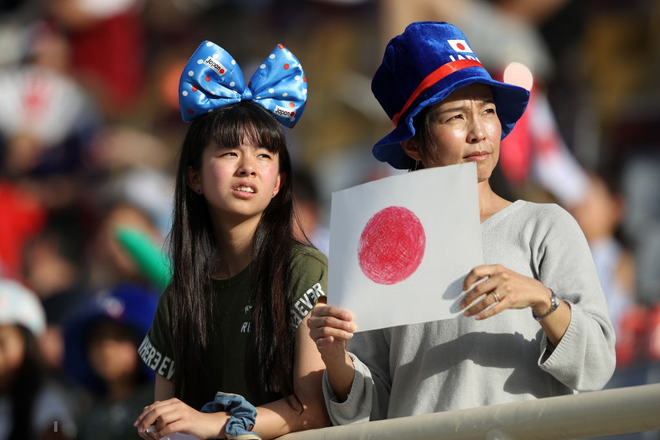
(90, 127)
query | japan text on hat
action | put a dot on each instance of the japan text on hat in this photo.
(423, 66)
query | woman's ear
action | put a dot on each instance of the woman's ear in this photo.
(410, 148)
(194, 180)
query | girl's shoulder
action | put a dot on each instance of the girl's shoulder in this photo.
(305, 255)
(309, 266)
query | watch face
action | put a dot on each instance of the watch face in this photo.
(554, 304)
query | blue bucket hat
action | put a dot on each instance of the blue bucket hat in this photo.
(423, 66)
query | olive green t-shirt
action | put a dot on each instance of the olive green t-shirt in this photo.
(231, 323)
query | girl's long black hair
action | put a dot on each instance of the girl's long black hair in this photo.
(269, 356)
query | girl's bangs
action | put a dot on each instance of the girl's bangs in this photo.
(249, 123)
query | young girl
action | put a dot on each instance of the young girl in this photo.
(234, 317)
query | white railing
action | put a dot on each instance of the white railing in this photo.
(586, 415)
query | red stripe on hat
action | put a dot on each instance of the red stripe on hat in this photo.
(438, 75)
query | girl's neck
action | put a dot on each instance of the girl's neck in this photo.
(489, 202)
(235, 248)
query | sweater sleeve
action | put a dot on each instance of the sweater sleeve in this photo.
(584, 360)
(369, 396)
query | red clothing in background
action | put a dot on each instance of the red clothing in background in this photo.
(22, 216)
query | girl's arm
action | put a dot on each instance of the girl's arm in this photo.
(278, 418)
(164, 388)
(273, 419)
(172, 415)
(330, 328)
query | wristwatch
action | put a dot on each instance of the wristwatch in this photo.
(554, 304)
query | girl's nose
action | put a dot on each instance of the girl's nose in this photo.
(246, 167)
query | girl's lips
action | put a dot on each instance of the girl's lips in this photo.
(244, 190)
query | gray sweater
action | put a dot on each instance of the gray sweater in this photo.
(464, 363)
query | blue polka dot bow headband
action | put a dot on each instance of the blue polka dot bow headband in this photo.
(212, 79)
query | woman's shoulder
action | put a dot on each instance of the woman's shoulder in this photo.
(547, 212)
(547, 220)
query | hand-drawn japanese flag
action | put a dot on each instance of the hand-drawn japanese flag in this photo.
(460, 46)
(400, 247)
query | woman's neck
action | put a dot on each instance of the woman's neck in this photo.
(235, 242)
(489, 202)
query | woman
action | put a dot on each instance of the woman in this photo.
(234, 317)
(448, 111)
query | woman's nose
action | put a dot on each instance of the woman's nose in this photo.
(477, 131)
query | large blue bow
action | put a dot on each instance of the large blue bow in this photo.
(212, 79)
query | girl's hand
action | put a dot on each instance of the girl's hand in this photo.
(330, 327)
(503, 289)
(173, 415)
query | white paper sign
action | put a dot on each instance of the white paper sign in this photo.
(400, 247)
(174, 436)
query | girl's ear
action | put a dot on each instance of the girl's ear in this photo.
(194, 179)
(281, 178)
(410, 148)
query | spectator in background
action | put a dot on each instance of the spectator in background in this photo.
(31, 407)
(107, 49)
(53, 268)
(600, 214)
(111, 261)
(102, 337)
(46, 126)
(308, 209)
(640, 181)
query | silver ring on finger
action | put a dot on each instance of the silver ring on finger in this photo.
(496, 296)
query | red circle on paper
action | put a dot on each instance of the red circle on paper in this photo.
(391, 246)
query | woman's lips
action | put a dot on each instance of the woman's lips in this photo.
(477, 156)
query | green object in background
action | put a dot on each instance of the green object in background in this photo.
(153, 263)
